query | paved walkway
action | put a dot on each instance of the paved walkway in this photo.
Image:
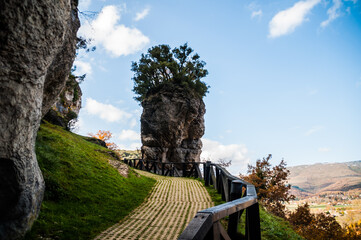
(171, 205)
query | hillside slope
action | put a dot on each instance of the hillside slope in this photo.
(323, 177)
(84, 194)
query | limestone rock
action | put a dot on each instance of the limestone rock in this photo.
(172, 124)
(37, 47)
(67, 106)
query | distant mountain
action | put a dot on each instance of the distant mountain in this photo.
(324, 177)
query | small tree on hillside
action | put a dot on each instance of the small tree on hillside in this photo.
(162, 66)
(271, 184)
(105, 136)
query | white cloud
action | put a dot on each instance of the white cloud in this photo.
(82, 67)
(333, 12)
(313, 130)
(324, 149)
(141, 15)
(116, 38)
(132, 146)
(106, 112)
(286, 21)
(257, 13)
(128, 135)
(213, 151)
(135, 146)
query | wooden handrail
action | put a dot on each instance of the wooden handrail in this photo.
(238, 194)
(206, 224)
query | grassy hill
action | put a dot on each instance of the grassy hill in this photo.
(322, 177)
(84, 194)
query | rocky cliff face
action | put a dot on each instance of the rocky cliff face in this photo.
(66, 108)
(172, 124)
(37, 48)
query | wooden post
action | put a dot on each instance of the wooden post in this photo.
(236, 192)
(217, 180)
(211, 176)
(204, 171)
(226, 187)
(126, 161)
(222, 188)
(146, 166)
(207, 173)
(141, 164)
(163, 166)
(198, 228)
(184, 170)
(155, 167)
(253, 229)
(198, 171)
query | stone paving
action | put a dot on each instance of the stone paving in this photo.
(169, 208)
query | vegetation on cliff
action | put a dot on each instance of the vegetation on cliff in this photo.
(163, 66)
(84, 194)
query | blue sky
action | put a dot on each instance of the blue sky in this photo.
(285, 76)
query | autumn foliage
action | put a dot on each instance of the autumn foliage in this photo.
(321, 226)
(271, 184)
(273, 191)
(105, 136)
(353, 231)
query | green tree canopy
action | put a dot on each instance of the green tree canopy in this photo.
(163, 66)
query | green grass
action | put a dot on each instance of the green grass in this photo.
(272, 227)
(84, 195)
(317, 206)
(215, 196)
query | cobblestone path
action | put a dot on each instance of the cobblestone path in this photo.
(171, 205)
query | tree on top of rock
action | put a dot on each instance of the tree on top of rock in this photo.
(163, 66)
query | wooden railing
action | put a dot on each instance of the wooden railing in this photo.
(239, 195)
(166, 169)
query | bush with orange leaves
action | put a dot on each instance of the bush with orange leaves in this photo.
(105, 136)
(321, 226)
(271, 185)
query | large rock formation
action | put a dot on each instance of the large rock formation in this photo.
(172, 124)
(66, 108)
(37, 48)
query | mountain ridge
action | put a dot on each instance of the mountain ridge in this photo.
(325, 177)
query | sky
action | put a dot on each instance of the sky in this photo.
(285, 76)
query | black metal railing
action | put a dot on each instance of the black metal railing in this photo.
(239, 195)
